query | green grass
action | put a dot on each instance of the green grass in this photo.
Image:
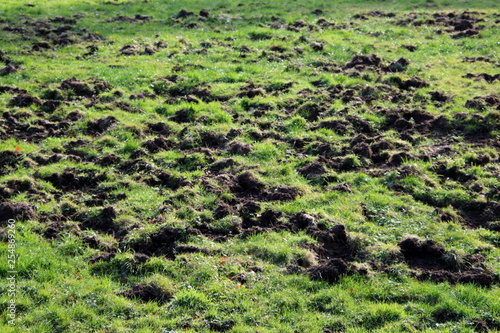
(248, 88)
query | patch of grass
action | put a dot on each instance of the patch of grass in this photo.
(224, 153)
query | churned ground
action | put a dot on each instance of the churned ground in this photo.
(241, 166)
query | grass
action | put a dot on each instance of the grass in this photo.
(210, 167)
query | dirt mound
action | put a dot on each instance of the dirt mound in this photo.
(101, 125)
(221, 164)
(184, 116)
(214, 139)
(102, 221)
(24, 100)
(12, 90)
(281, 193)
(487, 77)
(8, 69)
(343, 187)
(457, 25)
(481, 214)
(334, 243)
(301, 221)
(247, 183)
(482, 102)
(331, 271)
(399, 65)
(157, 144)
(439, 97)
(18, 211)
(107, 256)
(362, 61)
(148, 292)
(191, 249)
(10, 158)
(72, 179)
(159, 128)
(162, 242)
(223, 210)
(414, 82)
(108, 160)
(432, 262)
(129, 50)
(165, 179)
(313, 170)
(91, 88)
(239, 148)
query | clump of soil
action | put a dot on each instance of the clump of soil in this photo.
(399, 65)
(313, 170)
(281, 193)
(239, 148)
(8, 69)
(457, 25)
(414, 82)
(482, 102)
(107, 256)
(12, 90)
(9, 158)
(485, 76)
(165, 179)
(331, 271)
(247, 183)
(157, 144)
(432, 262)
(108, 160)
(103, 221)
(24, 100)
(163, 242)
(148, 292)
(85, 89)
(129, 50)
(159, 128)
(364, 61)
(17, 211)
(184, 14)
(73, 179)
(437, 96)
(343, 187)
(334, 243)
(102, 125)
(191, 249)
(221, 164)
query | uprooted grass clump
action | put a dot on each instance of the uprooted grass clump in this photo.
(249, 166)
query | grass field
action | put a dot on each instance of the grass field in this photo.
(293, 166)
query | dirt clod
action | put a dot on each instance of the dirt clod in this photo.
(17, 211)
(331, 271)
(148, 292)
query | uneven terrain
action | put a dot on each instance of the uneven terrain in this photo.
(251, 167)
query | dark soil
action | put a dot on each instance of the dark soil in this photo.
(102, 221)
(239, 148)
(312, 171)
(17, 211)
(432, 262)
(85, 89)
(24, 100)
(457, 25)
(101, 125)
(107, 256)
(331, 271)
(148, 292)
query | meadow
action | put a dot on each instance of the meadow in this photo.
(214, 166)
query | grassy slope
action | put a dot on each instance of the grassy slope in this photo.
(61, 290)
